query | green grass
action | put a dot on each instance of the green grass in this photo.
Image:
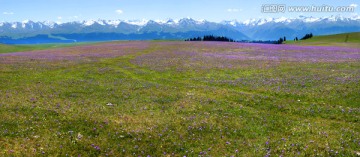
(5, 48)
(168, 102)
(345, 39)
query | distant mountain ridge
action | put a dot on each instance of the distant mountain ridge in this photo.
(271, 28)
(101, 30)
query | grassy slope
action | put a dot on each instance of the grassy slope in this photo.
(4, 48)
(346, 39)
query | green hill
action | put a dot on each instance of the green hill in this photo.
(4, 48)
(345, 39)
(14, 48)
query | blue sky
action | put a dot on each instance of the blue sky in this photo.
(212, 10)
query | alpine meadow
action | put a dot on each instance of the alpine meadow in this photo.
(279, 86)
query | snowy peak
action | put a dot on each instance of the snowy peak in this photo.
(114, 23)
(305, 19)
(184, 22)
(49, 24)
(311, 19)
(27, 24)
(92, 22)
(152, 22)
(231, 23)
(190, 21)
(355, 17)
(172, 22)
(142, 22)
(14, 25)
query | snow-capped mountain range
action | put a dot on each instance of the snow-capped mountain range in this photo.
(254, 29)
(257, 22)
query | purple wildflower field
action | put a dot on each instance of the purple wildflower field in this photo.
(106, 50)
(175, 98)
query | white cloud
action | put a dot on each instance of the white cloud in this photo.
(119, 11)
(353, 5)
(59, 18)
(233, 10)
(8, 13)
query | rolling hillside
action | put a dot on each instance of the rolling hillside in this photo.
(345, 39)
(5, 48)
